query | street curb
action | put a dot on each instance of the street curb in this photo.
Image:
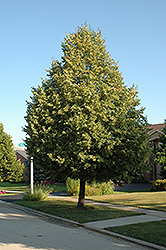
(127, 238)
(41, 214)
(74, 223)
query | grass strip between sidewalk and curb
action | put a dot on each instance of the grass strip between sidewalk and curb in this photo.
(153, 232)
(66, 209)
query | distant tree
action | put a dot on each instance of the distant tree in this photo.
(39, 175)
(83, 122)
(161, 153)
(10, 168)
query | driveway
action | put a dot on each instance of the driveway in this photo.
(21, 231)
(132, 186)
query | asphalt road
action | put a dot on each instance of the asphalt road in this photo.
(11, 198)
(22, 231)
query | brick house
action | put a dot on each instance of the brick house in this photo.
(21, 154)
(155, 131)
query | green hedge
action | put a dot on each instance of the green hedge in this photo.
(159, 185)
(95, 188)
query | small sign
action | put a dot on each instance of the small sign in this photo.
(22, 144)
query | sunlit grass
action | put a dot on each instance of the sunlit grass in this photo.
(23, 187)
(150, 200)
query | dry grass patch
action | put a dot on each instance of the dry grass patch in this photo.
(150, 200)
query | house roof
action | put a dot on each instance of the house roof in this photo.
(21, 151)
(156, 128)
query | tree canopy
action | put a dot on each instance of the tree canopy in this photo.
(161, 153)
(10, 168)
(83, 122)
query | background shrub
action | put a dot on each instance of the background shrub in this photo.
(95, 188)
(159, 185)
(106, 188)
(72, 187)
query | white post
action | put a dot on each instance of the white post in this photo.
(31, 175)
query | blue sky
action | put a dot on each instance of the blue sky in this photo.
(31, 32)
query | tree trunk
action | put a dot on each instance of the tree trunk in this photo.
(81, 200)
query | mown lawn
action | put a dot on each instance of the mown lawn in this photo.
(66, 209)
(154, 232)
(23, 187)
(148, 200)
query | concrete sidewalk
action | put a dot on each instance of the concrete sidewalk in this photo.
(123, 221)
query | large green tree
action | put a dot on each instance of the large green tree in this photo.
(10, 168)
(161, 153)
(83, 122)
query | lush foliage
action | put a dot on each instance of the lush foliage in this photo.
(83, 122)
(104, 187)
(10, 168)
(40, 193)
(95, 188)
(161, 153)
(159, 185)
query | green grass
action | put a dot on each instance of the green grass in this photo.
(147, 200)
(13, 186)
(23, 187)
(6, 194)
(154, 232)
(65, 209)
(59, 187)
